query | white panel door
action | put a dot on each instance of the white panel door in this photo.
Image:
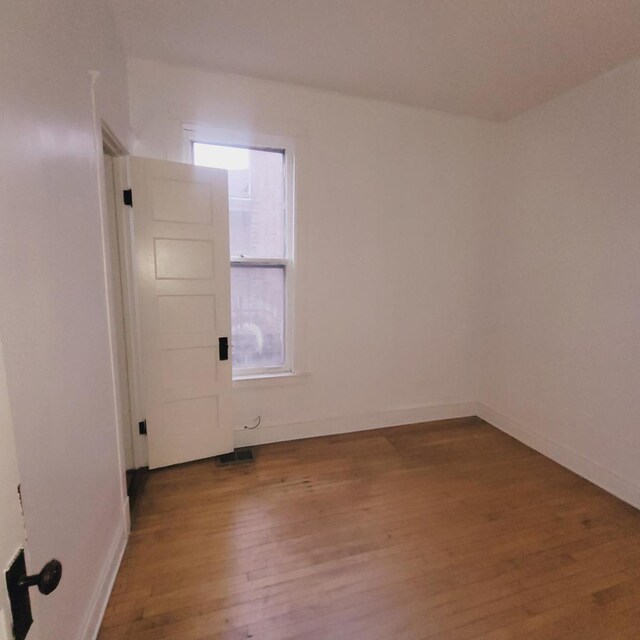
(182, 249)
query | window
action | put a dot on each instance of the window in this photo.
(261, 258)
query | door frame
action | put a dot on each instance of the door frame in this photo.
(120, 158)
(12, 526)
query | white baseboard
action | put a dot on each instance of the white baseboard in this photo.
(332, 426)
(573, 461)
(105, 584)
(126, 515)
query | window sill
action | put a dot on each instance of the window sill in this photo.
(269, 380)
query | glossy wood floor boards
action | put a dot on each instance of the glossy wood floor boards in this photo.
(447, 530)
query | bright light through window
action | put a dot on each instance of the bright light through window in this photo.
(219, 157)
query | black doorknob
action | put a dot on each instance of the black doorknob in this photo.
(47, 580)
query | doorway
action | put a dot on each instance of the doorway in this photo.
(117, 300)
(118, 243)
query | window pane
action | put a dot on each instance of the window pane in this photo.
(256, 197)
(257, 316)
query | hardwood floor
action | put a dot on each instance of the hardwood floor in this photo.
(450, 530)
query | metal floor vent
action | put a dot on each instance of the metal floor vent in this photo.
(237, 456)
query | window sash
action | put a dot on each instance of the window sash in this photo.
(260, 262)
(240, 372)
(286, 367)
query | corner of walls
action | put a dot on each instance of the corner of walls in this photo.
(560, 342)
(579, 464)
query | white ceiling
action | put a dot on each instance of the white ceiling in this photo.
(485, 58)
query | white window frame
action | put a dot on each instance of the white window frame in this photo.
(210, 135)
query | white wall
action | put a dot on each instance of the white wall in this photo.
(389, 199)
(53, 315)
(561, 367)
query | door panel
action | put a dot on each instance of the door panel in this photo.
(182, 249)
(178, 259)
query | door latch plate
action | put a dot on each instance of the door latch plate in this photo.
(19, 597)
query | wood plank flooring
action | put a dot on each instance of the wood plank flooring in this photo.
(448, 530)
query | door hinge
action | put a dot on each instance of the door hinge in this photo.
(142, 427)
(223, 348)
(127, 196)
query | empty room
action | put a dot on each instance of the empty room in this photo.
(320, 319)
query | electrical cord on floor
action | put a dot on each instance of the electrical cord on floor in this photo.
(256, 425)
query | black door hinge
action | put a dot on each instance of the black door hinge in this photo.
(142, 427)
(127, 196)
(223, 348)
